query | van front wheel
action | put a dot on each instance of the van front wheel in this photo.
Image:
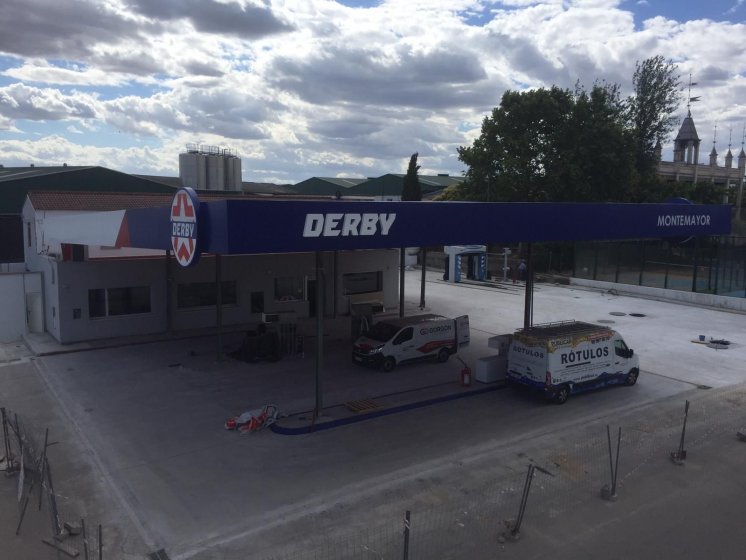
(562, 394)
(632, 377)
(389, 363)
(443, 355)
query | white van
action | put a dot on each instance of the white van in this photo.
(569, 357)
(395, 341)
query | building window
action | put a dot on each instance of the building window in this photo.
(289, 288)
(257, 302)
(202, 294)
(362, 282)
(28, 234)
(112, 302)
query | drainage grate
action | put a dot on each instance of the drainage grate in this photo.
(606, 321)
(637, 315)
(617, 313)
(362, 405)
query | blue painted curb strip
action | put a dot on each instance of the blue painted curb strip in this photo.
(378, 413)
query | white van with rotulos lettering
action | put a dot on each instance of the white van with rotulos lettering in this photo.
(394, 341)
(560, 359)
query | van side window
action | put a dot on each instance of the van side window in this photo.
(403, 336)
(621, 349)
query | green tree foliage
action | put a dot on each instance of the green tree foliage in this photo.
(561, 145)
(411, 188)
(650, 111)
(550, 145)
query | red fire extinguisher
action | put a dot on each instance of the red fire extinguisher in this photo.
(466, 376)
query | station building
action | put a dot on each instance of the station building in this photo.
(89, 291)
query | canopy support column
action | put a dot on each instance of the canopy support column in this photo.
(219, 304)
(528, 306)
(319, 334)
(401, 282)
(422, 281)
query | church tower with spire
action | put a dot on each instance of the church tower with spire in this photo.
(687, 168)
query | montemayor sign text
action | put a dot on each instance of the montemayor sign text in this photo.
(344, 225)
(669, 220)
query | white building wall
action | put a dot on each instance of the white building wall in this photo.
(13, 305)
(253, 273)
(387, 261)
(66, 285)
(75, 279)
(46, 265)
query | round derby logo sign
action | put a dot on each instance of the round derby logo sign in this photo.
(184, 226)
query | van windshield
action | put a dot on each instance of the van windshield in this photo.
(381, 331)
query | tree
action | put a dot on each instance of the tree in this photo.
(550, 145)
(650, 112)
(561, 145)
(411, 188)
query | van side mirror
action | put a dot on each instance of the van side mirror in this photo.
(631, 353)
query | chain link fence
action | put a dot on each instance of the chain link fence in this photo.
(26, 465)
(563, 479)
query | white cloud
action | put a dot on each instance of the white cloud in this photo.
(312, 87)
(41, 72)
(19, 101)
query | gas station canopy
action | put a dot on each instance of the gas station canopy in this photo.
(235, 226)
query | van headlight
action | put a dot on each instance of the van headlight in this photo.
(376, 350)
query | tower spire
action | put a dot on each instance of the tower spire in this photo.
(689, 98)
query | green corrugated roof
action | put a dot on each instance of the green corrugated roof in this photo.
(15, 182)
(391, 184)
(327, 186)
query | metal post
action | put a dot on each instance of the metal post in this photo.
(335, 264)
(422, 281)
(53, 502)
(85, 539)
(43, 466)
(528, 311)
(618, 258)
(18, 432)
(679, 456)
(616, 463)
(219, 304)
(606, 492)
(319, 334)
(406, 535)
(401, 282)
(696, 264)
(516, 529)
(642, 262)
(595, 260)
(169, 319)
(6, 440)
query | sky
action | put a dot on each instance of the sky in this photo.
(348, 88)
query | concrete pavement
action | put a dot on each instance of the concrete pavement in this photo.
(148, 420)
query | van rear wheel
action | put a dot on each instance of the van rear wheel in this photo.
(443, 355)
(389, 363)
(632, 377)
(562, 394)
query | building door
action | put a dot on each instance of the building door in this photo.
(34, 313)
